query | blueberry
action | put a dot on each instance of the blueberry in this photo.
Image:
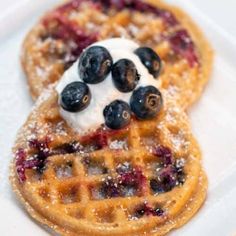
(158, 211)
(150, 59)
(125, 75)
(140, 212)
(167, 179)
(75, 97)
(164, 153)
(110, 189)
(155, 185)
(146, 102)
(95, 64)
(117, 114)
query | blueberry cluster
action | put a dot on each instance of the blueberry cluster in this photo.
(94, 66)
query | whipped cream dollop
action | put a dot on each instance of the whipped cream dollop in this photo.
(102, 94)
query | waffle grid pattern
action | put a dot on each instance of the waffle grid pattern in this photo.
(70, 181)
(70, 186)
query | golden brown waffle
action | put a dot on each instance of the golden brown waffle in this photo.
(57, 40)
(99, 184)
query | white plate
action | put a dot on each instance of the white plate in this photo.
(213, 120)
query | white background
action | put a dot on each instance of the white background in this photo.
(213, 118)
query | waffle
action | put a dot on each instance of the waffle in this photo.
(58, 39)
(105, 182)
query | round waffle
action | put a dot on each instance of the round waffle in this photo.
(145, 179)
(60, 36)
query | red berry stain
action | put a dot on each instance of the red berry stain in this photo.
(22, 164)
(77, 39)
(67, 148)
(180, 41)
(129, 178)
(36, 162)
(71, 5)
(101, 137)
(20, 160)
(141, 6)
(133, 177)
(164, 153)
(182, 44)
(41, 147)
(41, 151)
(67, 30)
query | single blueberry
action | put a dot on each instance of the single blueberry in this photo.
(117, 114)
(150, 59)
(125, 75)
(110, 189)
(155, 186)
(95, 64)
(166, 180)
(158, 211)
(146, 102)
(75, 97)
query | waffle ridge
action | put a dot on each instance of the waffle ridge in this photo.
(67, 194)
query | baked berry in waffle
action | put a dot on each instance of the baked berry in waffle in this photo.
(145, 179)
(61, 35)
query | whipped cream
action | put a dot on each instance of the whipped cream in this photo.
(102, 94)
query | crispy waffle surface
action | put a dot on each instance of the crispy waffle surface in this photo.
(99, 183)
(185, 53)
